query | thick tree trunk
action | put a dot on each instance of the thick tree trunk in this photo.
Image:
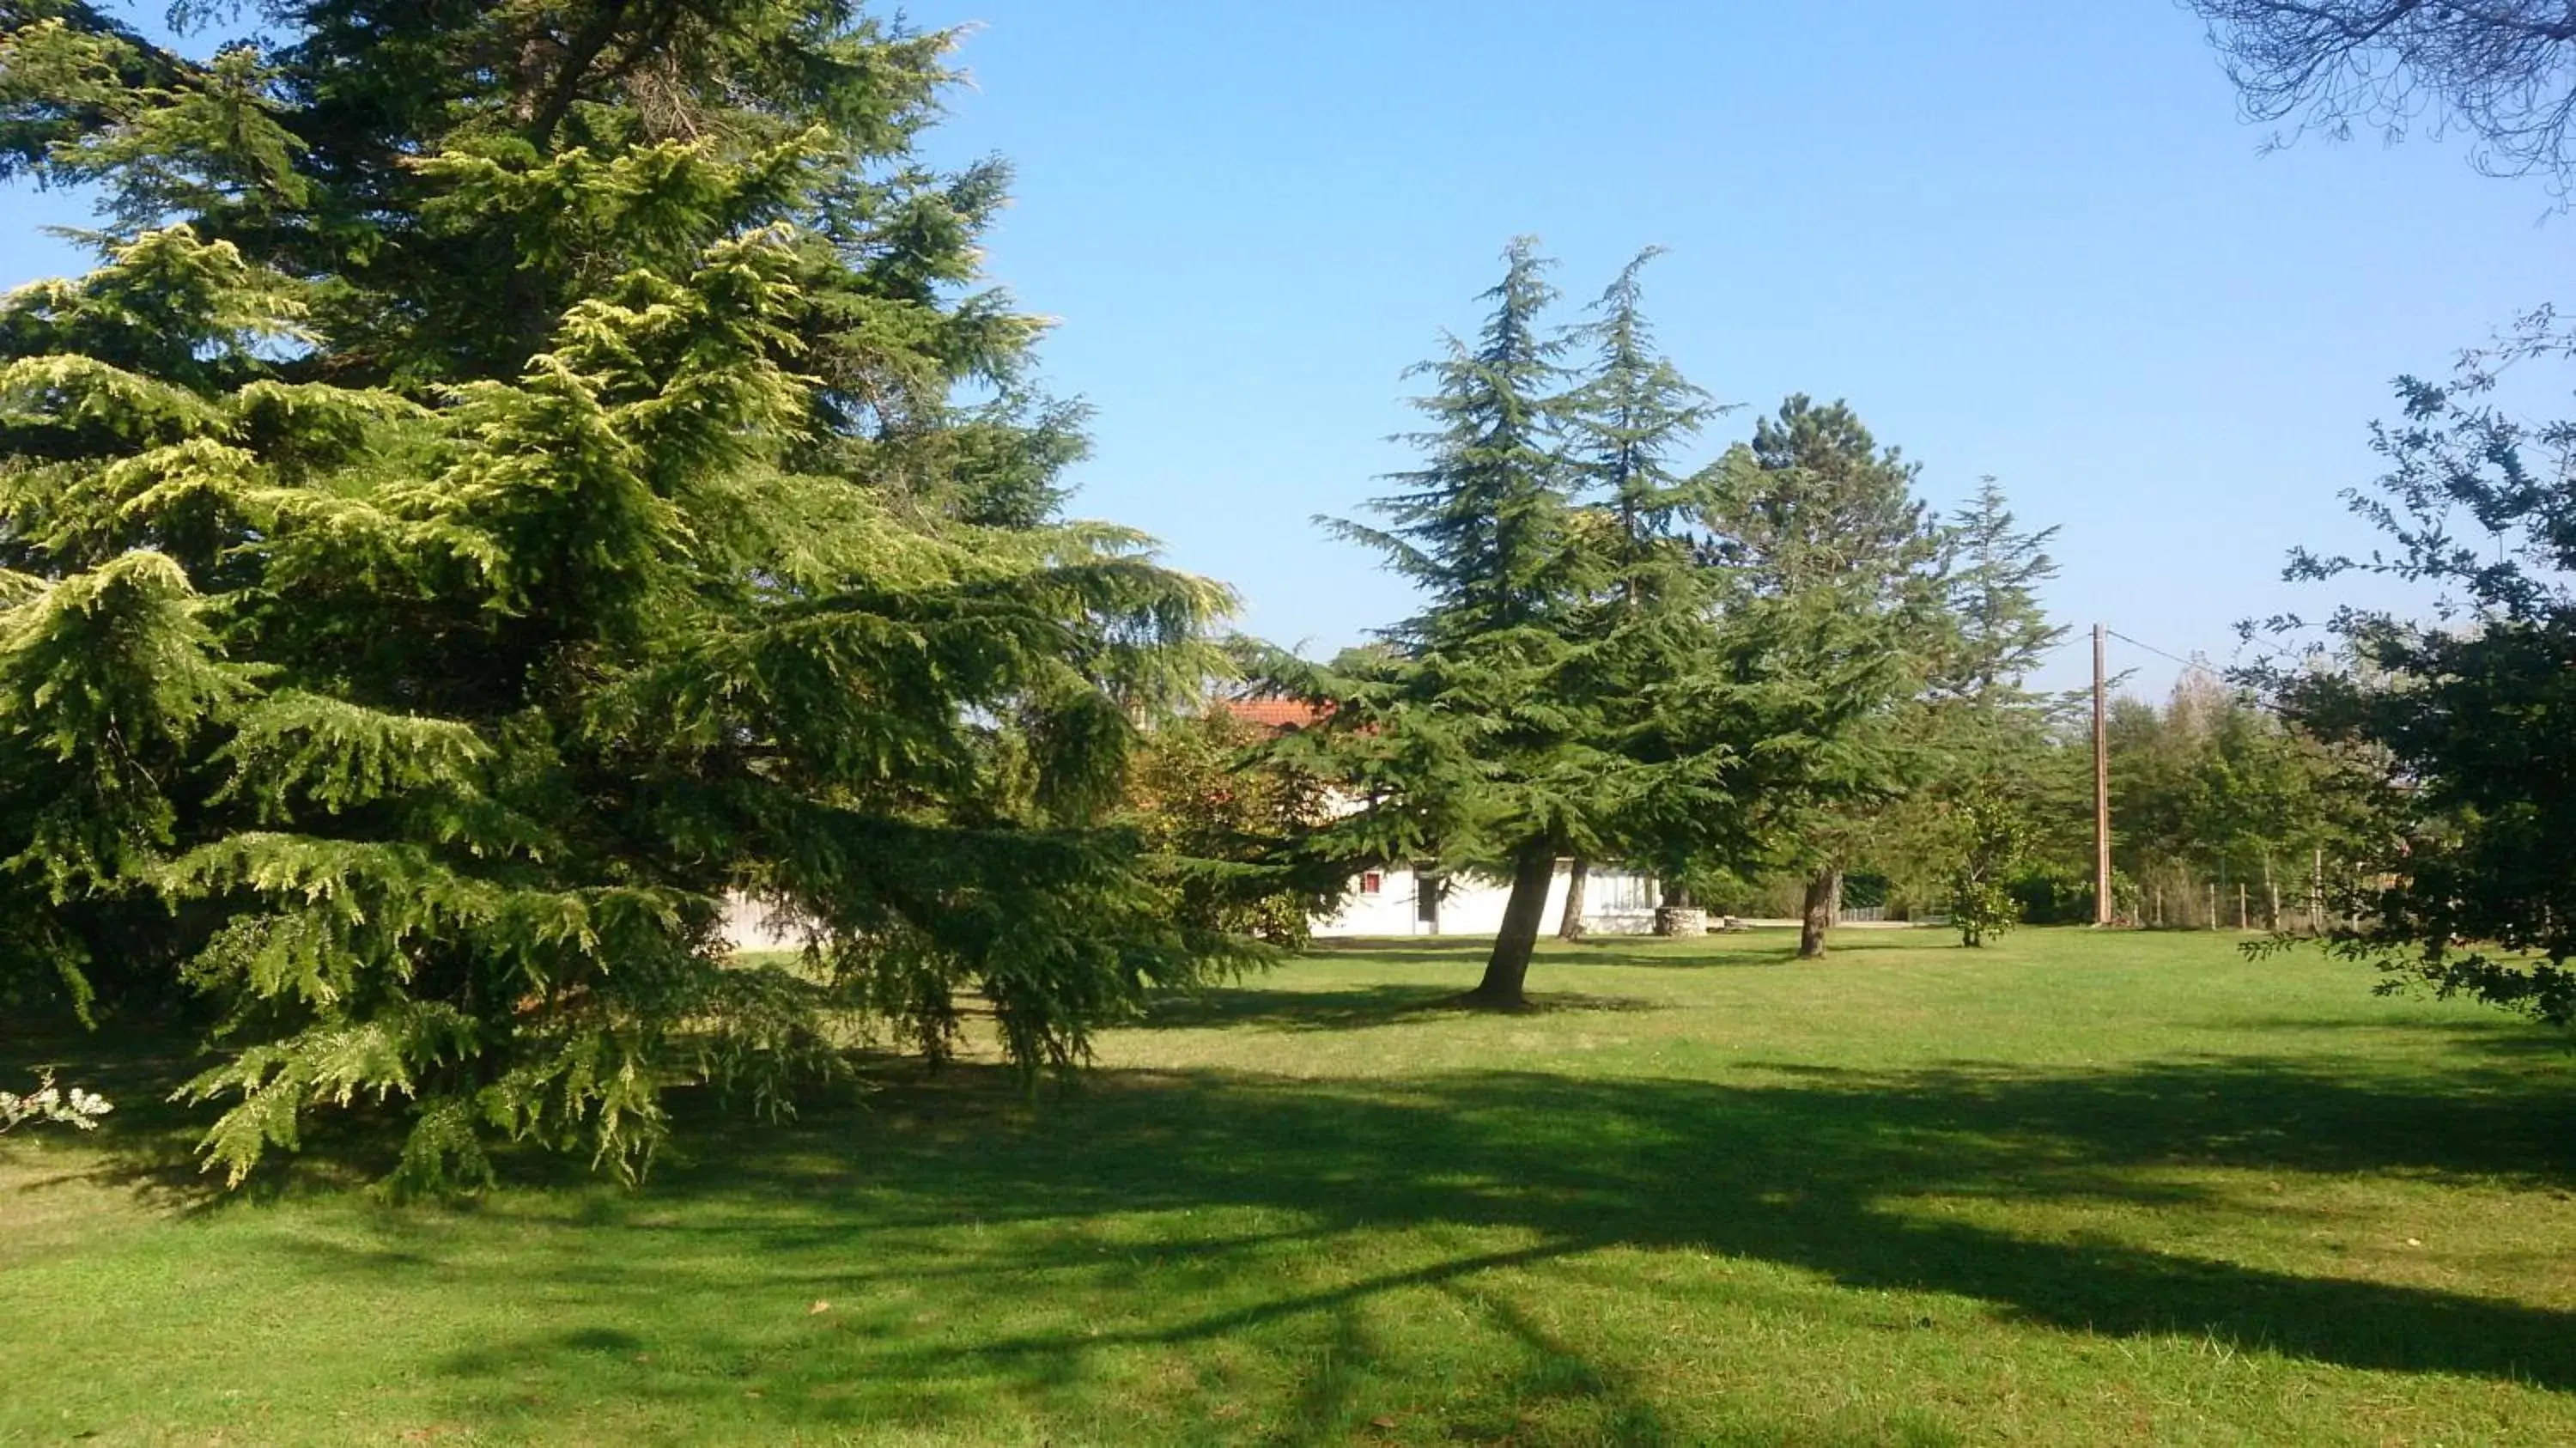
(1508, 966)
(1569, 926)
(1824, 901)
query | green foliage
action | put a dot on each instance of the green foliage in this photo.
(1814, 502)
(1978, 732)
(1999, 632)
(500, 498)
(1460, 733)
(1625, 419)
(1222, 817)
(2214, 790)
(1616, 659)
(1932, 626)
(1674, 683)
(1484, 527)
(1537, 708)
(1821, 526)
(2467, 718)
(2052, 891)
(1994, 842)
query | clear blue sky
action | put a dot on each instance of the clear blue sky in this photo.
(2023, 237)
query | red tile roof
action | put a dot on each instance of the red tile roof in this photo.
(1276, 714)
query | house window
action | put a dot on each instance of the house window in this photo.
(1372, 882)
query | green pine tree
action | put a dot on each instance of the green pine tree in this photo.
(1655, 627)
(1626, 419)
(1998, 761)
(2000, 630)
(503, 494)
(1462, 731)
(1824, 531)
(1588, 676)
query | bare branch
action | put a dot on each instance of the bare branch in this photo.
(2504, 70)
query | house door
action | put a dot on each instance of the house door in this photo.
(1426, 903)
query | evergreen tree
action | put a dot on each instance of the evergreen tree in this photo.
(1462, 732)
(501, 495)
(1999, 630)
(1821, 526)
(1624, 421)
(1998, 765)
(1484, 527)
(1586, 678)
(1655, 634)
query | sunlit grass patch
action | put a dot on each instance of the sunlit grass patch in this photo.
(2075, 1188)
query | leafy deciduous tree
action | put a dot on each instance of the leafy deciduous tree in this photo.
(2471, 713)
(1221, 816)
(1994, 841)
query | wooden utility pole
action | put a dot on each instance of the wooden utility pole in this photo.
(2101, 792)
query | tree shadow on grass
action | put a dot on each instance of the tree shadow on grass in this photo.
(1486, 1175)
(1466, 948)
(1681, 956)
(1734, 951)
(1799, 1173)
(2481, 1037)
(1358, 1009)
(1811, 1171)
(156, 1136)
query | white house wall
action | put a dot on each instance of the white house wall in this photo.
(1616, 902)
(749, 925)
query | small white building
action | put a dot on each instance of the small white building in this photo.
(1404, 901)
(1400, 900)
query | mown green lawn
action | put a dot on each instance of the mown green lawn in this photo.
(2073, 1189)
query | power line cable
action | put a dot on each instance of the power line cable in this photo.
(2268, 706)
(2201, 664)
